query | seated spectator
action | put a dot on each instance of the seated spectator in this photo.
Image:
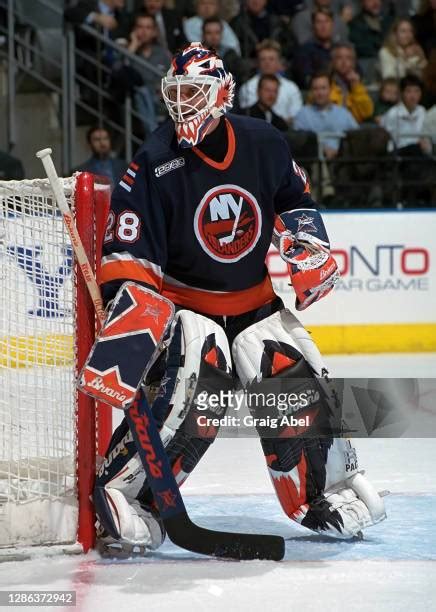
(103, 161)
(267, 93)
(368, 29)
(210, 8)
(212, 37)
(347, 88)
(321, 116)
(269, 59)
(143, 82)
(254, 24)
(405, 123)
(388, 96)
(425, 25)
(11, 168)
(315, 55)
(144, 43)
(169, 24)
(405, 120)
(302, 23)
(401, 54)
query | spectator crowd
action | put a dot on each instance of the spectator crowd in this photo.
(324, 67)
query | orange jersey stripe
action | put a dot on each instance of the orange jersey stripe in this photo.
(229, 155)
(128, 179)
(226, 303)
(132, 270)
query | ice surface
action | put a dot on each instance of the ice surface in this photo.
(392, 569)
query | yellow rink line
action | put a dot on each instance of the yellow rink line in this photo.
(381, 338)
(57, 349)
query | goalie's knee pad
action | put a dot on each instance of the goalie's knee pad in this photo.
(313, 476)
(201, 350)
(277, 355)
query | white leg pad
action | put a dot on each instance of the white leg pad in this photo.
(135, 524)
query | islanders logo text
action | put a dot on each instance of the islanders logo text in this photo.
(228, 223)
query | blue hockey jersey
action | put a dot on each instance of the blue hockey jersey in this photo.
(197, 230)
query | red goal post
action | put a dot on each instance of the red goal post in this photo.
(50, 434)
(92, 201)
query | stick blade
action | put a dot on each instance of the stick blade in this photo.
(225, 545)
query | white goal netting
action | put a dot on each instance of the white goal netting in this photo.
(37, 397)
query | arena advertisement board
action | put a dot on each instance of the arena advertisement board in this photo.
(385, 300)
(386, 297)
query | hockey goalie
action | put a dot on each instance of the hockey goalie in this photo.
(193, 218)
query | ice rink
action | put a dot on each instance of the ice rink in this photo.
(393, 568)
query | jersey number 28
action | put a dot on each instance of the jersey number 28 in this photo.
(127, 227)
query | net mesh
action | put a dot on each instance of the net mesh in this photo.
(37, 407)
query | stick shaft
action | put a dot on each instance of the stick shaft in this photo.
(82, 258)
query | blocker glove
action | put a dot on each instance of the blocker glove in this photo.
(302, 241)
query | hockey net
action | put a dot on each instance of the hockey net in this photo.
(49, 435)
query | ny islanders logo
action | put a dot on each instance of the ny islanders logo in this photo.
(228, 223)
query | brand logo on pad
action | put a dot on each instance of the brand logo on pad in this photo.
(228, 223)
(106, 386)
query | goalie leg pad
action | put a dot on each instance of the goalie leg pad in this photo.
(313, 477)
(126, 521)
(198, 360)
(204, 367)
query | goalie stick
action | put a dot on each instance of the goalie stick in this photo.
(181, 530)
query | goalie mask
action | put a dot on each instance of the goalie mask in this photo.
(196, 90)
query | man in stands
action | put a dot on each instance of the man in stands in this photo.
(368, 29)
(267, 93)
(302, 22)
(347, 87)
(321, 116)
(144, 42)
(315, 55)
(102, 161)
(213, 38)
(289, 100)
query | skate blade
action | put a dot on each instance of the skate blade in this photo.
(118, 550)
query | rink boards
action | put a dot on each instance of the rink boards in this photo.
(384, 302)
